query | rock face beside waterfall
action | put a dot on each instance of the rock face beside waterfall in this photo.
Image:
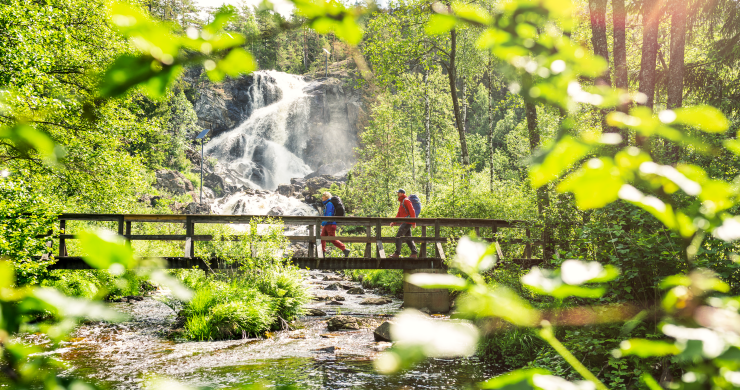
(270, 127)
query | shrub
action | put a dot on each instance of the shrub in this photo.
(390, 280)
(248, 304)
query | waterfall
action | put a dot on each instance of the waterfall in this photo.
(267, 149)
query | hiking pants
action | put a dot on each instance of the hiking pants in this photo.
(330, 230)
(405, 231)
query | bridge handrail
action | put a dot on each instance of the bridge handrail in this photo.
(314, 238)
(295, 220)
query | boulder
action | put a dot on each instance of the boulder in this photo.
(197, 208)
(316, 183)
(342, 322)
(321, 298)
(356, 291)
(285, 189)
(275, 212)
(337, 298)
(375, 301)
(332, 278)
(334, 287)
(335, 303)
(383, 332)
(331, 349)
(173, 182)
(155, 200)
(216, 183)
(315, 312)
(347, 286)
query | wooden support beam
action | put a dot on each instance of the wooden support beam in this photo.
(423, 252)
(189, 242)
(368, 243)
(62, 242)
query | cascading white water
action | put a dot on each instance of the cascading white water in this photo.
(266, 149)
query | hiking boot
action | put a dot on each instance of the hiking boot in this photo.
(346, 252)
(393, 256)
(413, 256)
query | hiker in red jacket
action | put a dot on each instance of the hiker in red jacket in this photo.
(405, 210)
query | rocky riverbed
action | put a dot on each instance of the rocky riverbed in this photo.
(331, 347)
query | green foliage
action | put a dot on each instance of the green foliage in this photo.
(248, 304)
(91, 284)
(390, 280)
(27, 222)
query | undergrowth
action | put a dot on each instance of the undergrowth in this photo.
(95, 284)
(387, 280)
(241, 305)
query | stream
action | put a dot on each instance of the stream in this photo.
(123, 355)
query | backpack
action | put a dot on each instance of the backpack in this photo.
(338, 206)
(416, 203)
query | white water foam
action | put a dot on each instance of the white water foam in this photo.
(263, 148)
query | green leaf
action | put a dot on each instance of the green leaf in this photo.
(551, 163)
(440, 24)
(595, 184)
(128, 71)
(77, 307)
(705, 118)
(472, 13)
(430, 281)
(106, 250)
(650, 382)
(733, 145)
(646, 348)
(653, 205)
(514, 380)
(26, 138)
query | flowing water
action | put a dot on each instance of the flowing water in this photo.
(267, 149)
(122, 355)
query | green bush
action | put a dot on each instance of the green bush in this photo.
(247, 304)
(95, 284)
(390, 280)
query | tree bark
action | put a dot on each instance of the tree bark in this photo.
(597, 9)
(452, 75)
(428, 128)
(676, 66)
(620, 44)
(490, 118)
(651, 26)
(543, 196)
(678, 44)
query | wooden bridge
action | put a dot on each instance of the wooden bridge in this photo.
(431, 253)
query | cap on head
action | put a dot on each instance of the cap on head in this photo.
(401, 191)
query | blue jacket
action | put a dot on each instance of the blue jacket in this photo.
(328, 212)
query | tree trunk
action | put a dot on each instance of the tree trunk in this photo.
(490, 118)
(620, 44)
(597, 10)
(452, 75)
(464, 111)
(651, 28)
(676, 67)
(428, 128)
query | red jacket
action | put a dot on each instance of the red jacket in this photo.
(406, 209)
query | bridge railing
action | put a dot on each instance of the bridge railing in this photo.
(431, 238)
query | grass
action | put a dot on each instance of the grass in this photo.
(247, 304)
(92, 284)
(389, 280)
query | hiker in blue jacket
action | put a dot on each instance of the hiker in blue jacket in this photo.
(329, 228)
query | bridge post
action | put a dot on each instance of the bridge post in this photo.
(423, 252)
(368, 245)
(311, 240)
(415, 297)
(62, 241)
